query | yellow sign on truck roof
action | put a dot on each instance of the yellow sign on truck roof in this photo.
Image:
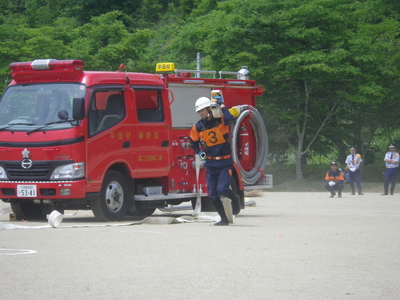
(165, 67)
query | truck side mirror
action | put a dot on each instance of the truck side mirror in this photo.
(78, 108)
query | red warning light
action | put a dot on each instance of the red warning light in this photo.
(46, 64)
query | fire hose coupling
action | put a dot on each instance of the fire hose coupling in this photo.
(202, 155)
(238, 109)
(216, 98)
(241, 108)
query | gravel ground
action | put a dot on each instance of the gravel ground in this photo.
(288, 246)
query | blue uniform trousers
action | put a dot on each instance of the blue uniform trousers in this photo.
(354, 177)
(390, 177)
(218, 181)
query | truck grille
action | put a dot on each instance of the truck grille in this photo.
(40, 170)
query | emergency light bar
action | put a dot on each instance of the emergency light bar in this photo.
(46, 64)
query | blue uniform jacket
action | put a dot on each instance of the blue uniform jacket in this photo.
(213, 136)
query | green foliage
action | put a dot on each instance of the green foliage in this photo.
(103, 44)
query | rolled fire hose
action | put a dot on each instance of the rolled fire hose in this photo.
(257, 123)
(197, 208)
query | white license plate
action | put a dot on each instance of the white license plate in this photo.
(27, 191)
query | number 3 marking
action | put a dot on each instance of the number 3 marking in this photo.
(212, 137)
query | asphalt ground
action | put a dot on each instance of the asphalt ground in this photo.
(288, 246)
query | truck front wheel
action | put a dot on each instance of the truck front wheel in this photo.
(113, 202)
(28, 210)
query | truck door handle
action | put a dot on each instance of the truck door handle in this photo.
(126, 144)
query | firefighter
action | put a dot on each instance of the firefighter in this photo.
(392, 167)
(334, 179)
(209, 138)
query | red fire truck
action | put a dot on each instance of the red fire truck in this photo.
(116, 142)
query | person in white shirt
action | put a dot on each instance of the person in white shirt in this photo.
(353, 162)
(392, 167)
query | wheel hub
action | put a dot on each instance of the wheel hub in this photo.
(114, 197)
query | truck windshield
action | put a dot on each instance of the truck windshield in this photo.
(25, 107)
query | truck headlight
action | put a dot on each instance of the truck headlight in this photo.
(71, 171)
(3, 174)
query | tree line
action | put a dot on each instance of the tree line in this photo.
(330, 68)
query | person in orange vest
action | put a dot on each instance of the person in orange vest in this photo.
(209, 139)
(334, 179)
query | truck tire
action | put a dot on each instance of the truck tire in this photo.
(140, 210)
(143, 212)
(113, 202)
(28, 210)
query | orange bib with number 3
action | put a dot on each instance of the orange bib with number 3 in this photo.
(214, 136)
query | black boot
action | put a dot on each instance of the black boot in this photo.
(235, 202)
(391, 190)
(332, 194)
(353, 191)
(360, 192)
(220, 209)
(339, 195)
(385, 193)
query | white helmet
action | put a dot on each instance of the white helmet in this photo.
(201, 103)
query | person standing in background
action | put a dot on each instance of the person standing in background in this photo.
(353, 163)
(392, 167)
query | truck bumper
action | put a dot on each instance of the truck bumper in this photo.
(43, 190)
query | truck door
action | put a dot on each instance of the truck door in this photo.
(109, 136)
(151, 133)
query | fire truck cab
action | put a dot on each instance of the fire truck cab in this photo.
(116, 142)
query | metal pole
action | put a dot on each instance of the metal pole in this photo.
(198, 64)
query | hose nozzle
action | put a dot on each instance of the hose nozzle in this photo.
(203, 155)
